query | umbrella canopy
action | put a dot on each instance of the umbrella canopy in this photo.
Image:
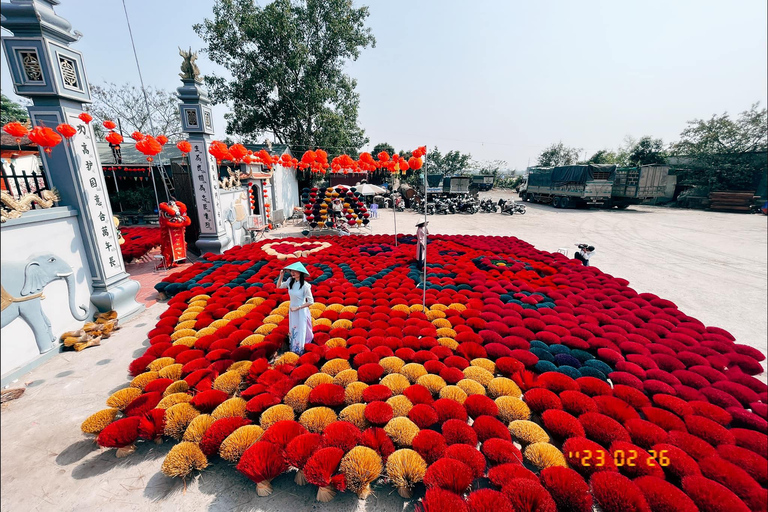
(367, 189)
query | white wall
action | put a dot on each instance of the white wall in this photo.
(60, 236)
(286, 190)
(235, 230)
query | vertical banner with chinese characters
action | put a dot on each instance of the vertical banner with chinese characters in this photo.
(88, 170)
(206, 182)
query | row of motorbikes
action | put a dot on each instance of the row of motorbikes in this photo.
(467, 204)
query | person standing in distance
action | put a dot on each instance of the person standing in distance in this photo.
(299, 318)
(421, 242)
(585, 252)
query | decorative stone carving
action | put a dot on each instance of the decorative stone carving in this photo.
(233, 181)
(31, 63)
(189, 70)
(14, 208)
(69, 72)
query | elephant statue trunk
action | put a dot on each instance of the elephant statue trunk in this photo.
(71, 287)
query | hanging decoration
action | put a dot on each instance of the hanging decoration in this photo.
(162, 139)
(114, 138)
(149, 147)
(44, 137)
(86, 117)
(219, 151)
(137, 136)
(16, 130)
(184, 146)
(66, 130)
(109, 125)
(238, 152)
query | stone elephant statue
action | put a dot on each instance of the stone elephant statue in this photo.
(22, 292)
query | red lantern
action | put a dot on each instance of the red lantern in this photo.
(86, 117)
(44, 137)
(67, 130)
(137, 136)
(162, 139)
(149, 147)
(238, 151)
(415, 163)
(114, 138)
(383, 156)
(16, 130)
(184, 146)
(109, 125)
(219, 151)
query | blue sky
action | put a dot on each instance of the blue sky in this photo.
(500, 80)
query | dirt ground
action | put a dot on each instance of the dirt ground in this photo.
(713, 265)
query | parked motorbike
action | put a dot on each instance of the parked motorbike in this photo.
(441, 207)
(511, 207)
(519, 208)
(466, 205)
(488, 206)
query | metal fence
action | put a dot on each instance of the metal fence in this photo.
(17, 183)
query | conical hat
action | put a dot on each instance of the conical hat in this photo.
(298, 266)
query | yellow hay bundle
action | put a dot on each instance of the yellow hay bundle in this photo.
(434, 383)
(478, 374)
(256, 301)
(218, 324)
(298, 398)
(197, 427)
(457, 306)
(202, 297)
(483, 362)
(253, 339)
(184, 458)
(315, 313)
(544, 455)
(187, 341)
(180, 386)
(233, 447)
(342, 323)
(201, 303)
(335, 366)
(527, 432)
(273, 319)
(172, 371)
(400, 404)
(194, 309)
(122, 397)
(392, 364)
(279, 412)
(413, 371)
(512, 408)
(287, 358)
(317, 418)
(471, 387)
(437, 315)
(441, 323)
(96, 422)
(448, 343)
(241, 367)
(246, 308)
(178, 418)
(335, 307)
(316, 379)
(454, 393)
(186, 324)
(228, 382)
(321, 321)
(142, 379)
(502, 386)
(401, 307)
(232, 408)
(349, 309)
(234, 314)
(353, 394)
(183, 332)
(361, 466)
(265, 329)
(205, 331)
(345, 377)
(446, 332)
(438, 307)
(355, 414)
(396, 382)
(416, 307)
(401, 431)
(188, 316)
(171, 400)
(405, 469)
(160, 363)
(336, 342)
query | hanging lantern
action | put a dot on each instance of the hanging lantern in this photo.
(162, 139)
(415, 163)
(238, 151)
(114, 138)
(184, 146)
(219, 151)
(16, 130)
(44, 137)
(85, 117)
(137, 135)
(66, 130)
(109, 125)
(149, 147)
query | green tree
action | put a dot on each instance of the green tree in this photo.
(11, 111)
(452, 163)
(648, 151)
(125, 103)
(558, 154)
(383, 146)
(489, 167)
(287, 65)
(725, 153)
(604, 156)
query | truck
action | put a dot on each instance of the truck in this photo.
(634, 185)
(570, 186)
(439, 184)
(482, 182)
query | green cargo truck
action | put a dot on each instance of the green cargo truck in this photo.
(634, 185)
(570, 186)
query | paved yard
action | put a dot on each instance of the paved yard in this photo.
(713, 265)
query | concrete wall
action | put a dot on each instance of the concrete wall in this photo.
(55, 231)
(286, 192)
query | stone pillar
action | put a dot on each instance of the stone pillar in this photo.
(197, 122)
(44, 68)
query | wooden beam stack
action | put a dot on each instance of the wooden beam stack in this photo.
(732, 201)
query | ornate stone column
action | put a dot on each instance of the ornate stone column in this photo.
(44, 68)
(197, 122)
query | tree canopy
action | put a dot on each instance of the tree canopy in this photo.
(453, 162)
(647, 151)
(604, 156)
(126, 103)
(382, 146)
(286, 62)
(11, 111)
(558, 154)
